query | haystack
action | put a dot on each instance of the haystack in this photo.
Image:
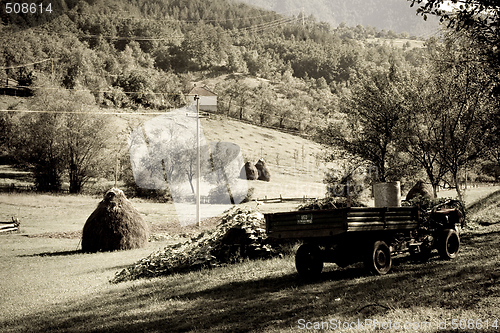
(249, 172)
(421, 188)
(263, 171)
(114, 225)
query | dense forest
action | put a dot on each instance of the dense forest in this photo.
(306, 74)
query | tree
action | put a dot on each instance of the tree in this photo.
(66, 138)
(372, 115)
(479, 20)
(86, 137)
(243, 98)
(205, 46)
(465, 111)
(266, 103)
(38, 148)
(7, 128)
(139, 84)
(480, 17)
(421, 125)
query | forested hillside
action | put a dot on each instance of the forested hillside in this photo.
(147, 53)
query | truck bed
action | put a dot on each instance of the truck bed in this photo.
(327, 223)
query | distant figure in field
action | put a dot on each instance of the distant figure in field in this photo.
(422, 188)
(264, 173)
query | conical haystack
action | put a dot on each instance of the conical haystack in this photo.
(421, 188)
(249, 172)
(114, 225)
(263, 171)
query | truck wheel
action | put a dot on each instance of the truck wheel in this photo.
(379, 259)
(448, 244)
(308, 261)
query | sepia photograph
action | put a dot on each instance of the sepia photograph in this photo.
(249, 166)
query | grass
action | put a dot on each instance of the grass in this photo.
(48, 287)
(267, 296)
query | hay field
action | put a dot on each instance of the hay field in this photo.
(294, 162)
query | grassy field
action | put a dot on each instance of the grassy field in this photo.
(47, 286)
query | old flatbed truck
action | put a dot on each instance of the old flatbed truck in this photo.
(364, 234)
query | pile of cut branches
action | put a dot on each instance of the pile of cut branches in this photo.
(332, 203)
(240, 234)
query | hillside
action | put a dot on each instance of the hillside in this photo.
(295, 163)
(396, 15)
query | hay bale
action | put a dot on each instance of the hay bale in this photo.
(422, 188)
(263, 171)
(114, 225)
(249, 172)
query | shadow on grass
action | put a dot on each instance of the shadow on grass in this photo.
(473, 238)
(209, 301)
(53, 254)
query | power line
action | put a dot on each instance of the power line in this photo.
(24, 65)
(201, 20)
(265, 26)
(252, 28)
(89, 112)
(269, 24)
(103, 91)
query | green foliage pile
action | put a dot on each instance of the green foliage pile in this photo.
(239, 235)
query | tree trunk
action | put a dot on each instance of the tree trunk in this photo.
(457, 187)
(229, 108)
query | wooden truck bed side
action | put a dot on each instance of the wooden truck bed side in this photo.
(327, 223)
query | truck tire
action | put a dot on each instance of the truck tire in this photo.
(308, 261)
(448, 244)
(378, 260)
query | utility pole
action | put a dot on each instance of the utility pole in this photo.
(198, 171)
(303, 21)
